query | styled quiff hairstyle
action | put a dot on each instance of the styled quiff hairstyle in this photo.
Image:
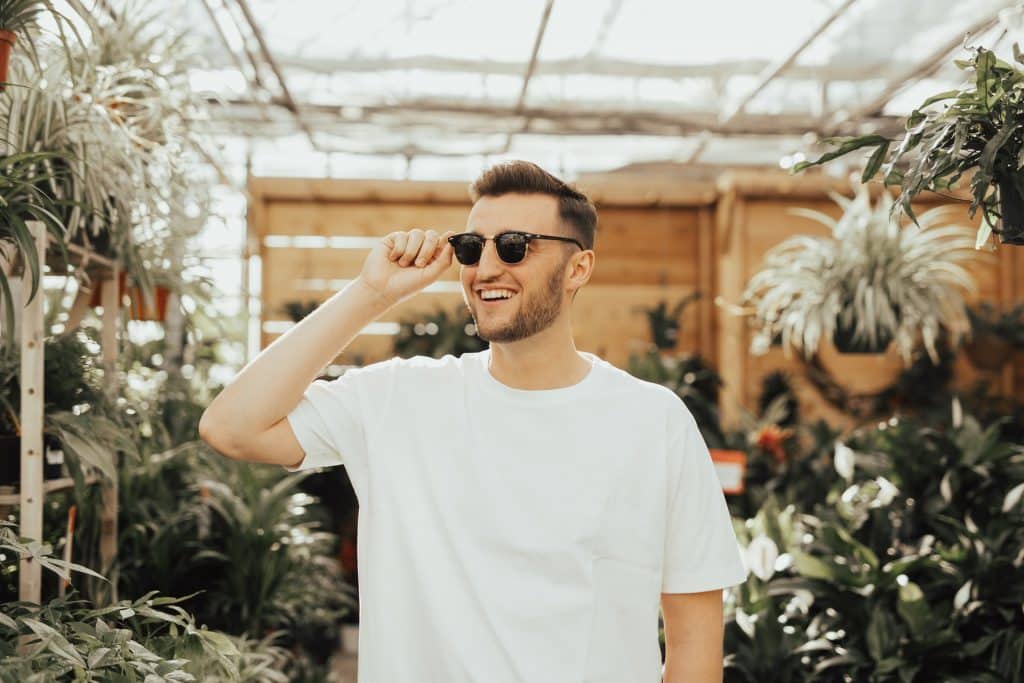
(524, 177)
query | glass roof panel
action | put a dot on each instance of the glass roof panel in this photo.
(614, 82)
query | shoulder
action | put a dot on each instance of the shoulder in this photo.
(649, 394)
(654, 401)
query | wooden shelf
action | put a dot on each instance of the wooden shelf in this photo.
(78, 257)
(49, 486)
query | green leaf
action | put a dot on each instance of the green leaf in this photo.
(812, 567)
(914, 609)
(881, 634)
(875, 162)
(992, 147)
(846, 146)
(1013, 497)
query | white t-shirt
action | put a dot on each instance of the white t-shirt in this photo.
(517, 536)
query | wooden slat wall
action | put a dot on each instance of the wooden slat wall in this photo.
(657, 239)
(649, 243)
(753, 215)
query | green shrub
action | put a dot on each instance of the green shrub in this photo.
(906, 569)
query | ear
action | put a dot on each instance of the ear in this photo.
(580, 267)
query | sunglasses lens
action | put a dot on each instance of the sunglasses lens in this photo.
(467, 249)
(511, 247)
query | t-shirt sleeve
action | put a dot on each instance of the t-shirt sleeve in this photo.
(701, 550)
(330, 420)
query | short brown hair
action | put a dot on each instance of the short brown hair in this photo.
(524, 177)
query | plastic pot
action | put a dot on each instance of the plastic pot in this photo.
(988, 351)
(96, 298)
(141, 310)
(6, 45)
(1012, 206)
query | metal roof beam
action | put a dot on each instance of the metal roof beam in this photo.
(521, 100)
(932, 63)
(772, 72)
(579, 120)
(586, 66)
(289, 101)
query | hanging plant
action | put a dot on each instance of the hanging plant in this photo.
(14, 16)
(869, 283)
(979, 131)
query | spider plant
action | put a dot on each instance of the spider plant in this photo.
(23, 198)
(868, 283)
(16, 14)
(127, 169)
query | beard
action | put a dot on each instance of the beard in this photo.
(535, 313)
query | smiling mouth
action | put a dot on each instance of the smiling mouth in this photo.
(494, 302)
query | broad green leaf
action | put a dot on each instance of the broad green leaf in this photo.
(812, 567)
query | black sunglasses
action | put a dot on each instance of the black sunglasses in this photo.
(511, 245)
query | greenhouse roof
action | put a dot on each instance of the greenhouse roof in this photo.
(438, 88)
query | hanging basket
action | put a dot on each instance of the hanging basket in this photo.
(6, 45)
(861, 372)
(1012, 207)
(988, 351)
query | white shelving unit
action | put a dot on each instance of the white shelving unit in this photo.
(33, 488)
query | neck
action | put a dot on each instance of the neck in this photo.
(547, 360)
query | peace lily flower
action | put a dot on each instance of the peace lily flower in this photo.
(761, 555)
(844, 460)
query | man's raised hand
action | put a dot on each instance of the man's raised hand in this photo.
(405, 262)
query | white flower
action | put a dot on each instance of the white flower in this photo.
(844, 459)
(886, 492)
(761, 555)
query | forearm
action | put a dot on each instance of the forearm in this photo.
(272, 384)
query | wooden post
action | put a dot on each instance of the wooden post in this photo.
(731, 336)
(32, 336)
(706, 272)
(108, 514)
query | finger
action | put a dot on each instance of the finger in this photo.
(444, 256)
(412, 247)
(398, 246)
(430, 243)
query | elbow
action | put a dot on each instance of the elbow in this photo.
(215, 436)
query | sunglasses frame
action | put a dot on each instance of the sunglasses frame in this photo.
(530, 236)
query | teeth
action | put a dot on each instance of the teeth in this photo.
(496, 294)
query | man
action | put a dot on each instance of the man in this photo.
(521, 508)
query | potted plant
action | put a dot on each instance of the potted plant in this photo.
(74, 422)
(868, 283)
(664, 323)
(994, 335)
(14, 16)
(980, 130)
(297, 310)
(438, 334)
(23, 198)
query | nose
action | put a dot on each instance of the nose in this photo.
(490, 263)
